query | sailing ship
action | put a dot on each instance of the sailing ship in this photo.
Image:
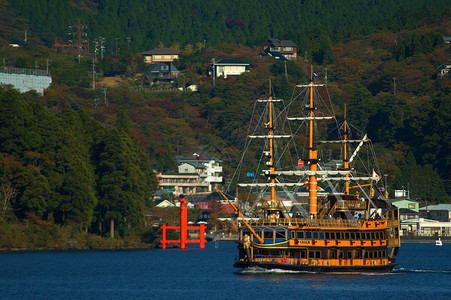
(342, 230)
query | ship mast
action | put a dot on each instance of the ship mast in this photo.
(313, 155)
(271, 152)
(345, 154)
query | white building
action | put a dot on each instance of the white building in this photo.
(212, 166)
(197, 173)
(229, 67)
(25, 80)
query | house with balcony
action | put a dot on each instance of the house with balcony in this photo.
(213, 169)
(280, 49)
(197, 173)
(160, 55)
(183, 183)
(163, 70)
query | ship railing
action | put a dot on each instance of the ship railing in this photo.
(306, 222)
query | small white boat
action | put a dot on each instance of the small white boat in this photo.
(438, 242)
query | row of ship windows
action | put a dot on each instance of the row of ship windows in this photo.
(339, 254)
(329, 254)
(338, 235)
(328, 235)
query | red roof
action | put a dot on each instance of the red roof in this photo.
(226, 208)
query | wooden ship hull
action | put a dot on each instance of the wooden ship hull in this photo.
(322, 245)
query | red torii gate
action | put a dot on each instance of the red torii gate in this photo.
(184, 229)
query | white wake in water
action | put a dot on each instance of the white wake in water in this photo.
(262, 271)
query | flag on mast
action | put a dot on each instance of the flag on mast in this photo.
(375, 176)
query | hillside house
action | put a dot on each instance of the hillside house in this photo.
(197, 173)
(213, 169)
(440, 212)
(443, 70)
(163, 70)
(280, 48)
(160, 55)
(406, 204)
(229, 67)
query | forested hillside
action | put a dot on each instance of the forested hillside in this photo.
(85, 156)
(68, 168)
(150, 23)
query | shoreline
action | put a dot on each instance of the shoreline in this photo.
(418, 239)
(57, 249)
(424, 239)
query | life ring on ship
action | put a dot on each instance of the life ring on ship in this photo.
(374, 262)
(315, 262)
(284, 259)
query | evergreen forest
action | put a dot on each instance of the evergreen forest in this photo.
(84, 155)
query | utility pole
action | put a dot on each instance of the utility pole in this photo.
(48, 63)
(116, 44)
(286, 73)
(325, 76)
(102, 47)
(79, 55)
(93, 76)
(105, 99)
(96, 49)
(214, 69)
(128, 41)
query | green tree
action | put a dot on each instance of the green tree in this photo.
(423, 182)
(33, 191)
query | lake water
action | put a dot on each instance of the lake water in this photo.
(424, 272)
